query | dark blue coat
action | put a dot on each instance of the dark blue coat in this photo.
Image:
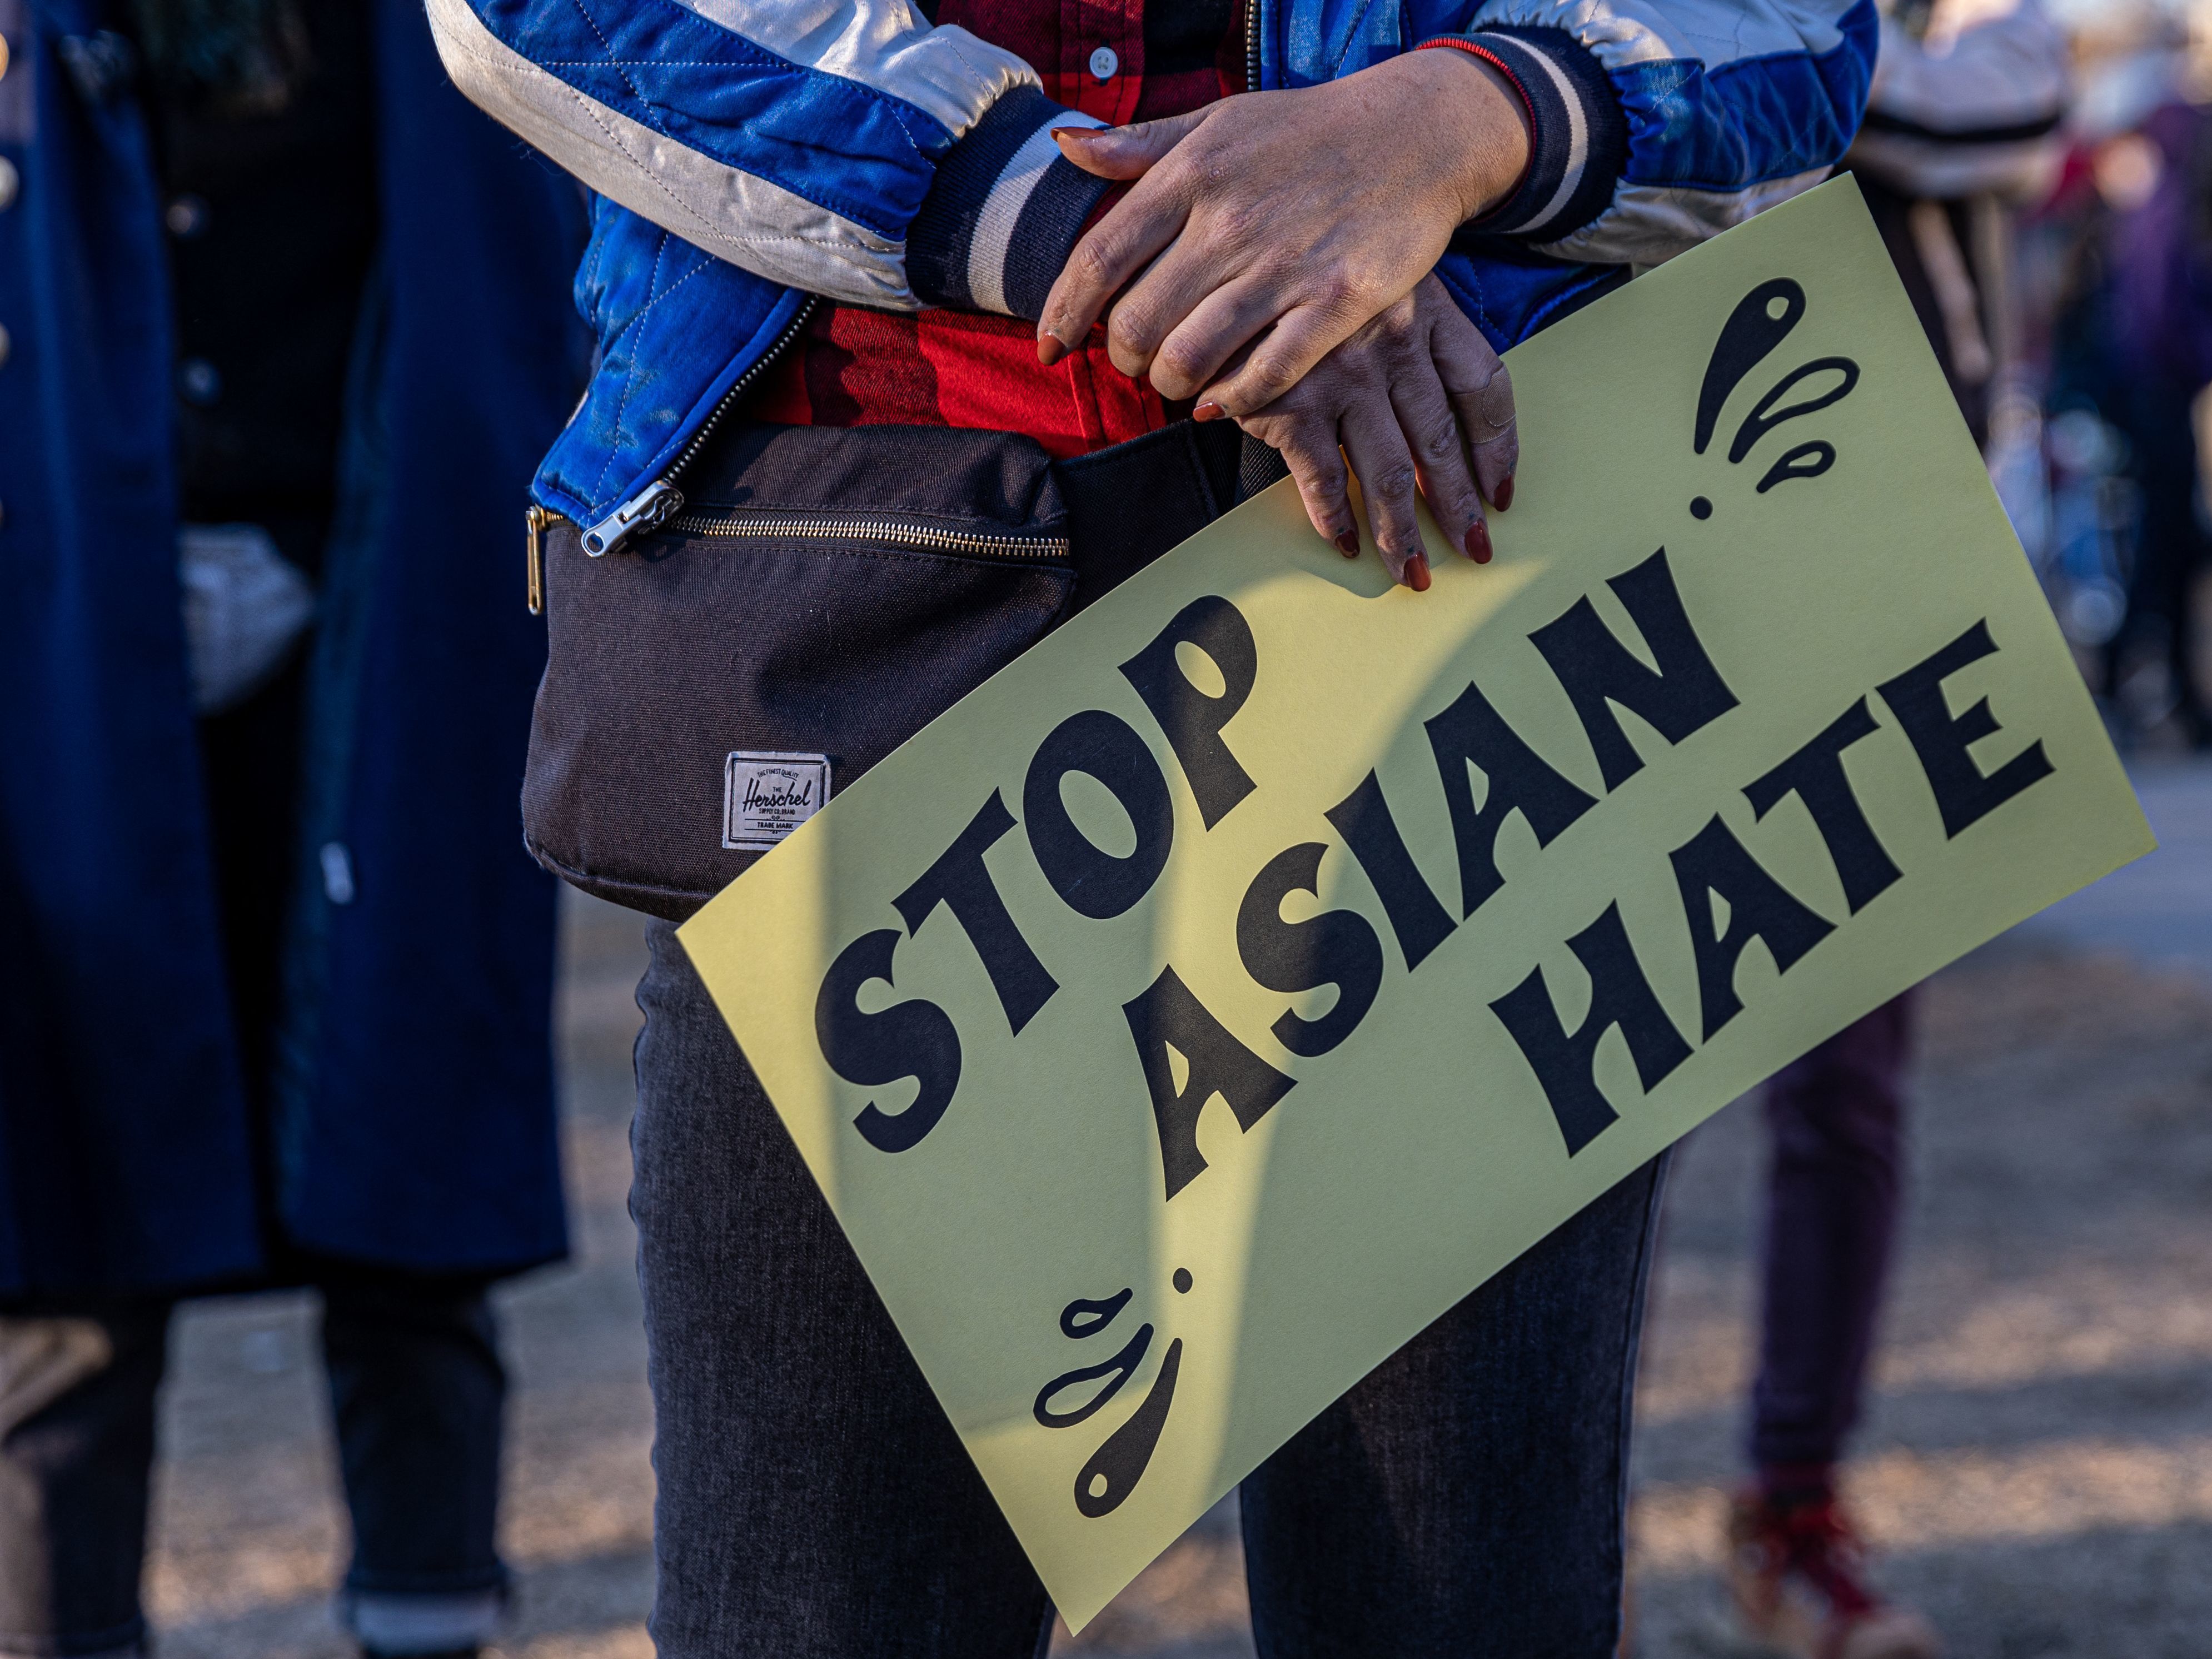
(414, 1121)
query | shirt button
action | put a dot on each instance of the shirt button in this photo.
(186, 217)
(1103, 63)
(198, 382)
(10, 182)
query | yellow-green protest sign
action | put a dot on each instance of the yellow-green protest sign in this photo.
(1213, 998)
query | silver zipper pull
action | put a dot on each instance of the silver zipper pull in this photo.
(536, 520)
(650, 507)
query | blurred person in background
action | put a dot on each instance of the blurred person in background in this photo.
(2129, 244)
(284, 329)
(1966, 97)
(2156, 181)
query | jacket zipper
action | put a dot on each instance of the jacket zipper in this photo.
(661, 500)
(1252, 45)
(870, 527)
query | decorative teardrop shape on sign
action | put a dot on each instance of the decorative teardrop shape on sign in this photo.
(1115, 1468)
(1121, 1365)
(1757, 424)
(1085, 1317)
(1808, 460)
(1753, 328)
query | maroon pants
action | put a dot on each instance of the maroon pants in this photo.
(1837, 1117)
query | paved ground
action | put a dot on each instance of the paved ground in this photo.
(2156, 911)
(2037, 1468)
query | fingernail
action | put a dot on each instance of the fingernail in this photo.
(1478, 542)
(1050, 349)
(1503, 499)
(1417, 574)
(1348, 544)
(1064, 133)
(1208, 411)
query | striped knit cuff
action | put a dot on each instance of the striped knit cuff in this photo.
(1005, 211)
(1578, 136)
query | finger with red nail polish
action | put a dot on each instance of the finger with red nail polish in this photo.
(1348, 544)
(1382, 459)
(1478, 542)
(1417, 573)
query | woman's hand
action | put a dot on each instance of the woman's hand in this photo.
(1415, 398)
(1281, 220)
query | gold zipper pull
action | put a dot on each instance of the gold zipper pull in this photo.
(536, 520)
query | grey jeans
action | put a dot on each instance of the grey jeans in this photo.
(1464, 1500)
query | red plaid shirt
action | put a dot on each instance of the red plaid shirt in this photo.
(855, 366)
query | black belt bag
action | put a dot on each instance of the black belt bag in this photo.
(822, 594)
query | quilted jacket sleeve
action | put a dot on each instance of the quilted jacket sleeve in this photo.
(844, 147)
(1659, 123)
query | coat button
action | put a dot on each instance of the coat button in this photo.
(198, 383)
(1103, 63)
(3, 56)
(10, 182)
(186, 217)
(5, 342)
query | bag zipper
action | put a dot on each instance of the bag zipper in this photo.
(869, 526)
(536, 520)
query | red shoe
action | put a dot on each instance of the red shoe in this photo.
(1796, 1577)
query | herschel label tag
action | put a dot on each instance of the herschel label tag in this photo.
(766, 796)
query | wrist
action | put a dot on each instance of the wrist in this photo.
(1577, 128)
(1495, 133)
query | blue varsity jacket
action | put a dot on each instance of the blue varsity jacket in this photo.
(750, 154)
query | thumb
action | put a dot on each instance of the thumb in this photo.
(1124, 152)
